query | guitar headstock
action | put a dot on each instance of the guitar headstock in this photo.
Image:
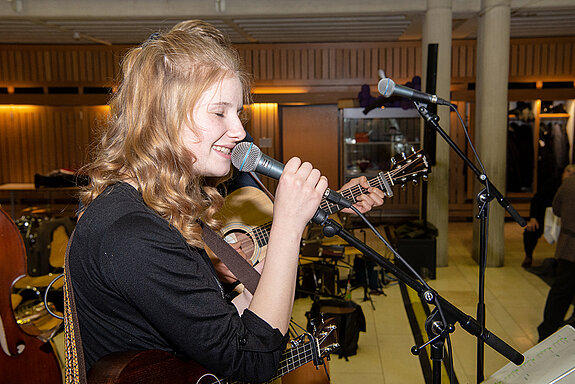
(322, 343)
(406, 168)
(326, 336)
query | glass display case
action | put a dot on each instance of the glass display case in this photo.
(370, 141)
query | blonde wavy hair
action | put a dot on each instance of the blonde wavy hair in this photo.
(162, 81)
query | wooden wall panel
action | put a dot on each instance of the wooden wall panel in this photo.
(59, 64)
(306, 64)
(463, 61)
(311, 133)
(36, 139)
(39, 139)
(263, 125)
(542, 59)
(329, 64)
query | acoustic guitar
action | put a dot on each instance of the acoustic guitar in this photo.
(157, 367)
(247, 210)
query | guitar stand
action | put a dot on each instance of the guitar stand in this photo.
(365, 283)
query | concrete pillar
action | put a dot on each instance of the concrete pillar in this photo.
(437, 30)
(491, 116)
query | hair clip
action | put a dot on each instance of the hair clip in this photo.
(153, 36)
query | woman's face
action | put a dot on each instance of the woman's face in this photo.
(218, 126)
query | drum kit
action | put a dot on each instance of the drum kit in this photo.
(332, 268)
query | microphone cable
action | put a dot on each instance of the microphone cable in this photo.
(422, 281)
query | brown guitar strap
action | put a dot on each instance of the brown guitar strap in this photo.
(262, 186)
(232, 259)
(75, 367)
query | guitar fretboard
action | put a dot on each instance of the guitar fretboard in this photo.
(291, 359)
(383, 181)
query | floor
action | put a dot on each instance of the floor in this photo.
(514, 300)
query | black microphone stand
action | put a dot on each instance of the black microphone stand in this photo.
(484, 197)
(437, 327)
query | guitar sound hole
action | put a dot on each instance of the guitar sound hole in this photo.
(245, 241)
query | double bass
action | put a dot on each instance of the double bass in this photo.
(23, 358)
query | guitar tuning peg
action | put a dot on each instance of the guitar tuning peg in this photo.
(403, 155)
(413, 150)
(296, 342)
(332, 347)
(402, 186)
(414, 181)
(424, 177)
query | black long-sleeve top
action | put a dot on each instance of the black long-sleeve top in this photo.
(138, 285)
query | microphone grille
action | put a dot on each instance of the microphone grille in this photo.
(386, 87)
(245, 156)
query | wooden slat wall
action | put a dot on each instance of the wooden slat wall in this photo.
(542, 59)
(529, 60)
(263, 123)
(40, 64)
(330, 64)
(37, 139)
(463, 61)
(461, 178)
(309, 64)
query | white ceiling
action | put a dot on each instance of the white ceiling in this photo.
(262, 21)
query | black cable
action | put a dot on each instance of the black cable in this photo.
(46, 297)
(418, 277)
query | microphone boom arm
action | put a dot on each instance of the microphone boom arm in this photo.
(453, 314)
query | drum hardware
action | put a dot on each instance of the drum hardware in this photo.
(35, 310)
(46, 303)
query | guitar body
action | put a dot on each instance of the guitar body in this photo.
(245, 209)
(157, 367)
(143, 367)
(308, 374)
(23, 358)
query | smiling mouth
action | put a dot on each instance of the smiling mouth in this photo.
(224, 150)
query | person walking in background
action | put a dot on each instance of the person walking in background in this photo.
(562, 290)
(542, 199)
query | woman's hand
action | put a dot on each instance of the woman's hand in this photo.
(365, 202)
(300, 190)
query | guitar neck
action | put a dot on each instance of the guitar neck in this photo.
(294, 358)
(383, 181)
(291, 359)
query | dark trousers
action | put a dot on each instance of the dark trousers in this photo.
(530, 239)
(559, 298)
